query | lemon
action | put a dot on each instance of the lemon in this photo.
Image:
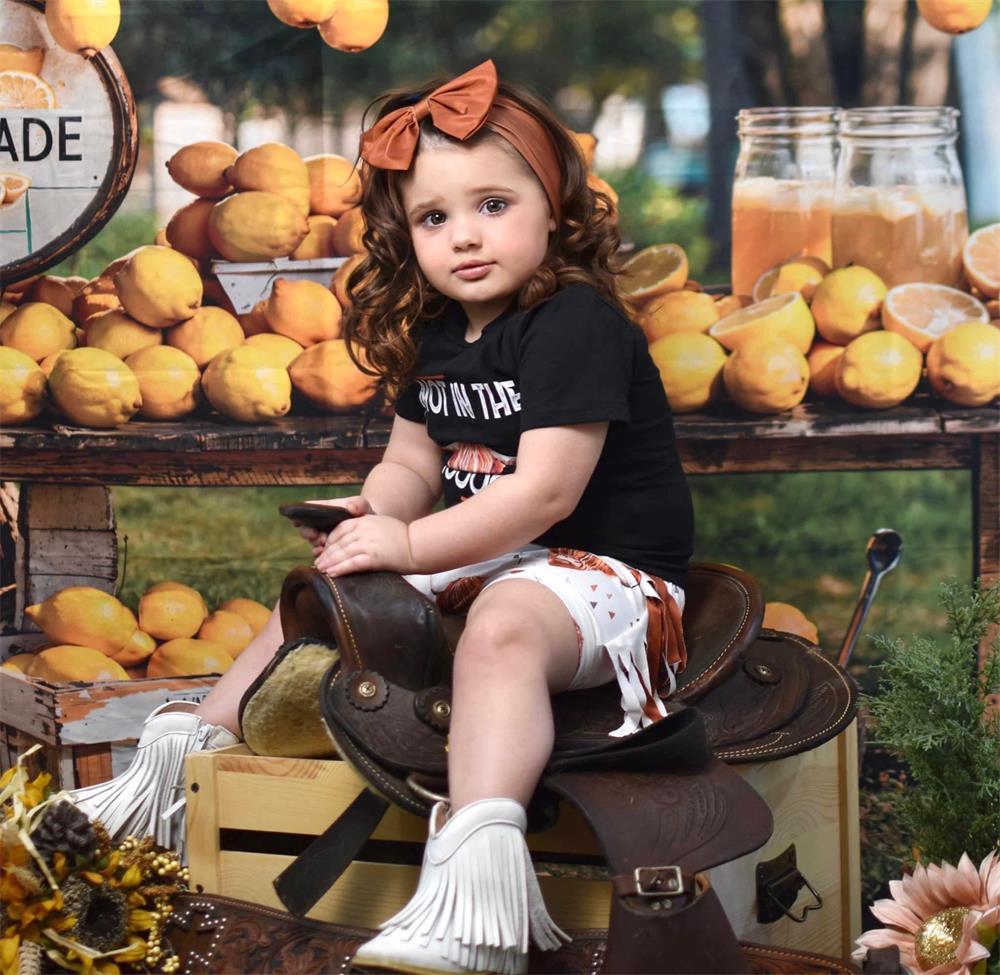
(653, 272)
(281, 348)
(85, 616)
(822, 359)
(201, 168)
(49, 363)
(186, 657)
(22, 387)
(348, 235)
(209, 331)
(954, 16)
(169, 614)
(341, 278)
(924, 312)
(690, 366)
(302, 13)
(159, 286)
(254, 322)
(173, 584)
(169, 382)
(327, 376)
(730, 303)
(790, 619)
(847, 303)
(355, 24)
(7, 309)
(67, 662)
(229, 630)
(878, 370)
(247, 385)
(94, 388)
(319, 242)
(334, 184)
(52, 290)
(304, 311)
(802, 274)
(120, 334)
(19, 662)
(678, 311)
(256, 226)
(187, 230)
(137, 649)
(766, 374)
(963, 365)
(83, 26)
(256, 614)
(38, 330)
(273, 168)
(784, 316)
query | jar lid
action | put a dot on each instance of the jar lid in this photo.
(800, 122)
(899, 121)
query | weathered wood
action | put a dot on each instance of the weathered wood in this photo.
(81, 508)
(986, 527)
(53, 550)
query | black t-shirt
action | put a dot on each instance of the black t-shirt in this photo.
(571, 359)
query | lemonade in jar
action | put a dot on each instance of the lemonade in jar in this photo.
(782, 189)
(899, 202)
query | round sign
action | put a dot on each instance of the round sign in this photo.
(68, 143)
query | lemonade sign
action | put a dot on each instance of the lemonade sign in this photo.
(67, 143)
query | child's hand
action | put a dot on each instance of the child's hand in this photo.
(368, 544)
(356, 504)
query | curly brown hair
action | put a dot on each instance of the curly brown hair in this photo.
(390, 297)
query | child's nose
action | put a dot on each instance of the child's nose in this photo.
(464, 233)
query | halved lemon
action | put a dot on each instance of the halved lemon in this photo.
(24, 89)
(654, 271)
(12, 187)
(784, 316)
(802, 274)
(981, 257)
(14, 58)
(922, 312)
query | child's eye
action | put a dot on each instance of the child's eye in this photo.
(433, 219)
(494, 205)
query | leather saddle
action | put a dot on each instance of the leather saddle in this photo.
(663, 802)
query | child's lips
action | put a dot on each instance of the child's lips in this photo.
(473, 272)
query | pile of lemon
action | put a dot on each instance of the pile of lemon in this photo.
(96, 637)
(807, 328)
(154, 335)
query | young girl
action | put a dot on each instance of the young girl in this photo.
(527, 398)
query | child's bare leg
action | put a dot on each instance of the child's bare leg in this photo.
(221, 705)
(519, 647)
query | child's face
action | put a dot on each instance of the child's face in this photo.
(480, 224)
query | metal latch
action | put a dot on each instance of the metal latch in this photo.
(778, 886)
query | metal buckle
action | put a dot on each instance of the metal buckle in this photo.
(651, 882)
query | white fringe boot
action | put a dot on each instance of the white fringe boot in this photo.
(147, 799)
(476, 903)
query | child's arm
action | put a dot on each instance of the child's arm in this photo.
(406, 484)
(554, 466)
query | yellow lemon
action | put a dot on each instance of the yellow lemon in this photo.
(654, 271)
(94, 388)
(14, 58)
(730, 303)
(355, 24)
(256, 614)
(319, 242)
(326, 375)
(173, 584)
(281, 348)
(209, 331)
(53, 291)
(22, 89)
(38, 330)
(822, 359)
(348, 235)
(86, 616)
(924, 312)
(304, 311)
(120, 334)
(802, 274)
(678, 311)
(159, 286)
(22, 387)
(784, 316)
(334, 184)
(247, 385)
(229, 630)
(18, 663)
(342, 276)
(83, 26)
(256, 226)
(302, 13)
(187, 230)
(954, 16)
(137, 649)
(273, 168)
(7, 309)
(169, 614)
(981, 259)
(49, 363)
(847, 303)
(878, 370)
(67, 662)
(254, 322)
(963, 365)
(169, 382)
(186, 657)
(201, 168)
(690, 366)
(766, 374)
(790, 619)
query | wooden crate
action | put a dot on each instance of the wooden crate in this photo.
(87, 730)
(237, 847)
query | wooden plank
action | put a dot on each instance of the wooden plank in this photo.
(850, 839)
(28, 706)
(203, 822)
(986, 528)
(54, 550)
(52, 506)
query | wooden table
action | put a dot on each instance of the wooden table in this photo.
(924, 433)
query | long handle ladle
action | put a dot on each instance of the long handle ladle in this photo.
(885, 549)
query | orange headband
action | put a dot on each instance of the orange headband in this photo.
(460, 108)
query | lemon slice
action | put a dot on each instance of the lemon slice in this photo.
(802, 274)
(12, 187)
(924, 312)
(24, 89)
(654, 271)
(981, 257)
(784, 316)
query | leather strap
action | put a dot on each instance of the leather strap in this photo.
(660, 882)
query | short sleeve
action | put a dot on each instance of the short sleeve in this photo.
(408, 404)
(576, 361)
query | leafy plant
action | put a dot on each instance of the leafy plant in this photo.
(932, 711)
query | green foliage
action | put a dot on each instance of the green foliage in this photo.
(651, 213)
(122, 233)
(931, 710)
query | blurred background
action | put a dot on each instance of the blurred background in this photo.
(659, 83)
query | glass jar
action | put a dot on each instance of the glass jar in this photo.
(899, 201)
(782, 189)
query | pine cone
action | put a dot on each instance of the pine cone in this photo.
(65, 829)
